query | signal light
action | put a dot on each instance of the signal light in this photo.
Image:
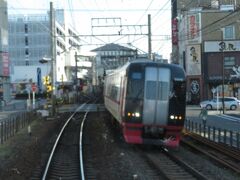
(49, 88)
(46, 80)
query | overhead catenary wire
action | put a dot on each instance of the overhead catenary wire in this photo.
(154, 18)
(91, 11)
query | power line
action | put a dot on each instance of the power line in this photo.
(144, 12)
(90, 10)
(186, 37)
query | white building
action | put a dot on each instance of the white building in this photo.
(30, 41)
(5, 94)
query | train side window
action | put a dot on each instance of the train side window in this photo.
(114, 92)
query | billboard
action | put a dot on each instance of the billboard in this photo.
(175, 31)
(193, 60)
(194, 28)
(5, 64)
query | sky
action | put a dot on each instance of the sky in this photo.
(88, 17)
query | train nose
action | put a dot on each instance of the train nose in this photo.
(153, 130)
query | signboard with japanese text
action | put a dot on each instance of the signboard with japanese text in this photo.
(194, 28)
(175, 31)
(221, 46)
(5, 63)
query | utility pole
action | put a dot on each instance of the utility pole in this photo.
(76, 79)
(175, 49)
(53, 56)
(223, 72)
(149, 37)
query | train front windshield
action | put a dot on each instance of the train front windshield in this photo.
(135, 86)
(134, 97)
(179, 87)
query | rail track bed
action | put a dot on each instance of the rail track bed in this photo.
(65, 160)
(107, 156)
(225, 157)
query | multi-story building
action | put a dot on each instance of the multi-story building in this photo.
(5, 94)
(109, 57)
(30, 41)
(209, 47)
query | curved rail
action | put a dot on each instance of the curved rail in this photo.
(80, 147)
(57, 140)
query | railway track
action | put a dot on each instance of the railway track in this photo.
(106, 156)
(169, 166)
(65, 160)
(221, 154)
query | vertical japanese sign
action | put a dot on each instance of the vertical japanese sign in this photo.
(175, 31)
(194, 28)
(39, 79)
(5, 64)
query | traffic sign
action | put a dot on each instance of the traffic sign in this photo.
(34, 87)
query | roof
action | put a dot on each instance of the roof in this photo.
(112, 47)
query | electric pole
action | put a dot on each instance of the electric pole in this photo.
(149, 37)
(53, 56)
(175, 49)
(76, 78)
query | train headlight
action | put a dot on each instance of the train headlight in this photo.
(176, 117)
(137, 114)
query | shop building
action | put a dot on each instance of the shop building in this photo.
(208, 48)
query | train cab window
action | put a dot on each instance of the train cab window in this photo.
(135, 85)
(151, 90)
(179, 88)
(163, 90)
(157, 90)
(136, 75)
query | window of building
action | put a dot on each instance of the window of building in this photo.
(26, 28)
(26, 41)
(229, 32)
(229, 62)
(26, 52)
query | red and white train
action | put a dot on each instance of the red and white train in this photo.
(148, 99)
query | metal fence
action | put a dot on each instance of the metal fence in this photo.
(13, 123)
(212, 133)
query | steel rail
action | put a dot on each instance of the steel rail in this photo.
(223, 161)
(57, 140)
(81, 147)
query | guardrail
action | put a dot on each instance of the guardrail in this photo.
(17, 105)
(14, 123)
(212, 133)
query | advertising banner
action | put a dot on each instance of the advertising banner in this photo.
(5, 63)
(193, 60)
(193, 28)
